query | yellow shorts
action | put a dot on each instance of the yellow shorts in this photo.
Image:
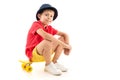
(36, 57)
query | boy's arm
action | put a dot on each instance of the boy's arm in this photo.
(50, 37)
(45, 35)
(64, 35)
(66, 40)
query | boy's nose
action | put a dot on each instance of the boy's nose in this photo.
(48, 17)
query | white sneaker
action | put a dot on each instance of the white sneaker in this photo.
(51, 68)
(61, 67)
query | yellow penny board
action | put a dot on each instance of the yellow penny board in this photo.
(26, 65)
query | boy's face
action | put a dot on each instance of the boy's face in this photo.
(46, 17)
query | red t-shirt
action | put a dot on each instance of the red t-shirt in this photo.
(33, 38)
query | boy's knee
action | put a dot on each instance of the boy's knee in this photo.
(47, 44)
(44, 44)
(61, 38)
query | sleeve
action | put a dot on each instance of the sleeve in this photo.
(54, 31)
(35, 27)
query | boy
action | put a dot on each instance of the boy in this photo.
(41, 43)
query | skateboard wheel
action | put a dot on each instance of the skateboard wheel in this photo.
(23, 66)
(28, 68)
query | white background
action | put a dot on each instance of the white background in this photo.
(94, 30)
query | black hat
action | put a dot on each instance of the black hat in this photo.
(47, 6)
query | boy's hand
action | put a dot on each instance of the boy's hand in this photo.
(67, 51)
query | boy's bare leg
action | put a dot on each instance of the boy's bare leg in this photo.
(58, 50)
(44, 49)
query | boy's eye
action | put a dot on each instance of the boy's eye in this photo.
(46, 14)
(49, 15)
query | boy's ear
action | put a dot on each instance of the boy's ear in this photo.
(39, 15)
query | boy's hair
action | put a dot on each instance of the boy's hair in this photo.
(47, 6)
